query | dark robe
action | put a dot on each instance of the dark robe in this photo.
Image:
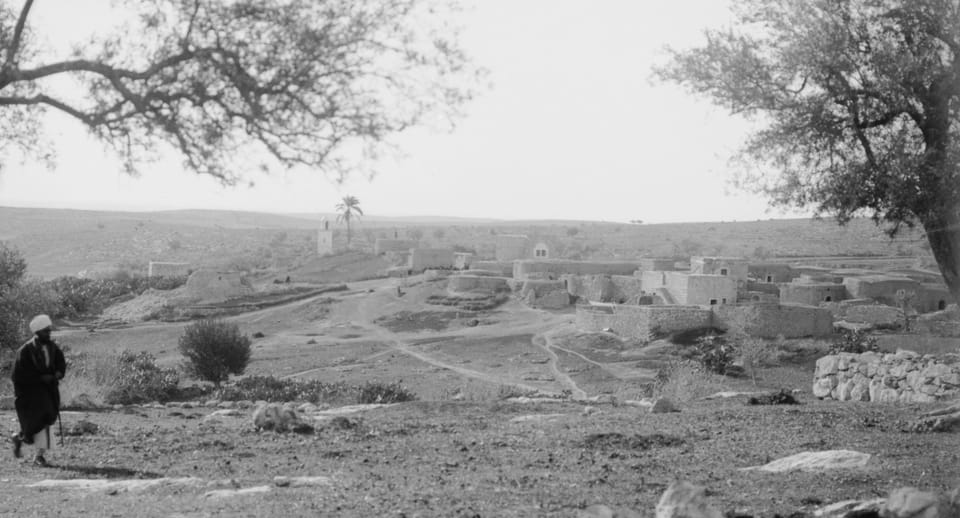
(37, 402)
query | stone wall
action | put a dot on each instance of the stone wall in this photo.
(476, 282)
(504, 267)
(462, 260)
(382, 246)
(594, 288)
(941, 323)
(398, 258)
(771, 320)
(812, 294)
(545, 294)
(521, 269)
(904, 377)
(424, 258)
(164, 269)
(642, 322)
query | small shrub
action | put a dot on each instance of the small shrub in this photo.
(377, 392)
(268, 388)
(683, 381)
(512, 391)
(214, 349)
(754, 353)
(714, 354)
(854, 342)
(139, 380)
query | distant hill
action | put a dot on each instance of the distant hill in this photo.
(65, 242)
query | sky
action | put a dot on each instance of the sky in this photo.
(572, 127)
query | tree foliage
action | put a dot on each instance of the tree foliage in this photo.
(297, 82)
(857, 104)
(348, 209)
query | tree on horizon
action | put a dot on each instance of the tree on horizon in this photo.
(347, 210)
(237, 86)
(857, 105)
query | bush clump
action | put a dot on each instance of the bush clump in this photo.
(138, 379)
(377, 392)
(214, 350)
(715, 354)
(270, 389)
(855, 342)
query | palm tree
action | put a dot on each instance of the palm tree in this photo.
(348, 209)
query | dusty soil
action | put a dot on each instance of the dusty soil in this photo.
(463, 450)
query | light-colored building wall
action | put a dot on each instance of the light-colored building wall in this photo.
(710, 290)
(882, 288)
(423, 258)
(734, 267)
(812, 294)
(771, 272)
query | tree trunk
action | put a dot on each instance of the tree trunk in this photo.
(943, 234)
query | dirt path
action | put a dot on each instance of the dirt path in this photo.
(544, 342)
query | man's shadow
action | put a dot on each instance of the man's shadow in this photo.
(107, 471)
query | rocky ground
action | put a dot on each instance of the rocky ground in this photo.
(586, 444)
(504, 458)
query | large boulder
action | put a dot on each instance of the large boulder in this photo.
(685, 500)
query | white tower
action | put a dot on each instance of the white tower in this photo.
(324, 238)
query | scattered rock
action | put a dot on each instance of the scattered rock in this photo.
(82, 402)
(685, 500)
(662, 405)
(219, 415)
(908, 502)
(602, 511)
(227, 493)
(730, 394)
(782, 397)
(278, 418)
(81, 427)
(281, 481)
(258, 334)
(816, 461)
(114, 486)
(943, 420)
(536, 418)
(850, 508)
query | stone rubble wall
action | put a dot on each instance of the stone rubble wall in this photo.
(904, 377)
(545, 294)
(477, 282)
(504, 267)
(522, 269)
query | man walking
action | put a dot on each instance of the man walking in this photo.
(37, 370)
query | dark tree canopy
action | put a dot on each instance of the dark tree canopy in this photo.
(858, 104)
(292, 82)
